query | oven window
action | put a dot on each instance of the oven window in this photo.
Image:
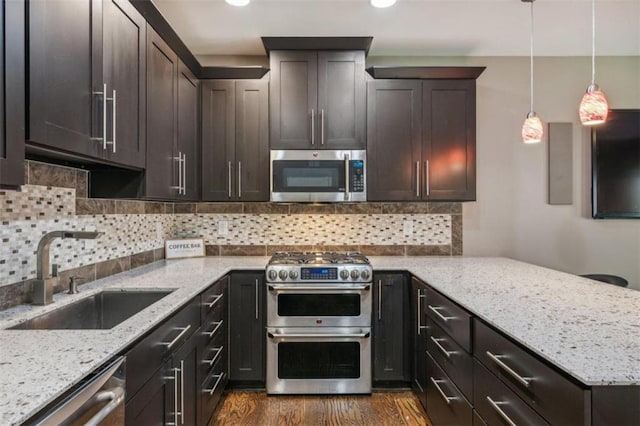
(319, 305)
(319, 360)
(308, 176)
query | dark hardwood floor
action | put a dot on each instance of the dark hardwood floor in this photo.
(381, 408)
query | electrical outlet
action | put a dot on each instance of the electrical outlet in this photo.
(159, 232)
(408, 228)
(223, 227)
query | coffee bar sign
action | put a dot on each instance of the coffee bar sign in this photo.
(192, 247)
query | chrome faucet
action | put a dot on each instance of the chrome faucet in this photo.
(44, 283)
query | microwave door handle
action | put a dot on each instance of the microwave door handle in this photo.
(346, 178)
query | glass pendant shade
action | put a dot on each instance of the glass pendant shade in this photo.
(594, 106)
(238, 2)
(382, 3)
(532, 130)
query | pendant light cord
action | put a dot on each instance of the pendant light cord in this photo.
(531, 55)
(593, 41)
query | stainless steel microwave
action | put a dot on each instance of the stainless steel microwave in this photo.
(318, 176)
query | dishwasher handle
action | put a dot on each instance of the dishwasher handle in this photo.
(115, 396)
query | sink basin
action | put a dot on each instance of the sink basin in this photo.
(100, 311)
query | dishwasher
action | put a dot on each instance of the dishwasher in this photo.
(96, 400)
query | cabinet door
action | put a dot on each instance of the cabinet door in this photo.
(252, 140)
(341, 100)
(187, 360)
(419, 320)
(65, 72)
(391, 356)
(449, 130)
(162, 76)
(156, 402)
(218, 139)
(12, 89)
(188, 141)
(294, 100)
(247, 328)
(124, 45)
(394, 147)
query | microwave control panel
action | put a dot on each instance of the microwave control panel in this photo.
(356, 175)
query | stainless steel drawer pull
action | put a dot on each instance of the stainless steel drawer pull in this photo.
(215, 300)
(496, 406)
(525, 381)
(317, 335)
(115, 396)
(285, 288)
(215, 385)
(178, 337)
(442, 349)
(379, 300)
(215, 357)
(419, 312)
(257, 299)
(181, 391)
(435, 309)
(215, 329)
(447, 399)
(176, 413)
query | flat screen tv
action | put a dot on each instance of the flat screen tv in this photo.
(615, 166)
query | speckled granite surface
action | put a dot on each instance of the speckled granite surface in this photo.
(588, 329)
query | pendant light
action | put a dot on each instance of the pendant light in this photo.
(594, 106)
(382, 3)
(532, 130)
(238, 2)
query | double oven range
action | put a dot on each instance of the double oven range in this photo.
(318, 323)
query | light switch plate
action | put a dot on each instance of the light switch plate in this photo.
(223, 227)
(408, 228)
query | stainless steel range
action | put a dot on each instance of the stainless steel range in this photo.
(318, 323)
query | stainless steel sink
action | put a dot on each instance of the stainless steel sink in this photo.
(102, 310)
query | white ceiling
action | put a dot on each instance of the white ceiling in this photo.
(412, 27)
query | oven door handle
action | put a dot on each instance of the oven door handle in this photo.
(364, 335)
(319, 288)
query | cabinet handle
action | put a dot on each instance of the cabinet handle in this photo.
(178, 337)
(346, 177)
(417, 179)
(215, 357)
(442, 317)
(175, 395)
(442, 349)
(215, 385)
(257, 299)
(216, 299)
(379, 300)
(181, 391)
(230, 195)
(239, 179)
(419, 312)
(525, 381)
(313, 126)
(217, 324)
(322, 127)
(113, 122)
(426, 174)
(447, 399)
(104, 116)
(179, 160)
(496, 406)
(184, 174)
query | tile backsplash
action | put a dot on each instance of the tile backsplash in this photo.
(54, 198)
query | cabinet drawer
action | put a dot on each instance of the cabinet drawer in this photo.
(147, 355)
(497, 404)
(555, 397)
(212, 388)
(457, 363)
(451, 317)
(212, 352)
(445, 403)
(214, 299)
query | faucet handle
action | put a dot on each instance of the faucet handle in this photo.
(54, 269)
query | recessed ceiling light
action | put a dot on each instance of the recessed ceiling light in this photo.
(238, 2)
(382, 3)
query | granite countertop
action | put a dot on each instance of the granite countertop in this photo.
(586, 328)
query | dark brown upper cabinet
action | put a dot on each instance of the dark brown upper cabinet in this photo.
(317, 100)
(235, 140)
(87, 79)
(188, 148)
(421, 140)
(12, 89)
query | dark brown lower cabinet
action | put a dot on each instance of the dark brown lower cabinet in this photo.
(154, 402)
(390, 329)
(419, 321)
(446, 405)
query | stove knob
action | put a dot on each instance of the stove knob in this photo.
(273, 275)
(364, 274)
(283, 275)
(354, 275)
(344, 274)
(293, 274)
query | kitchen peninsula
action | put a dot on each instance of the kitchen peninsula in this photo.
(583, 328)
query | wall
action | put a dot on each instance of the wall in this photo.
(511, 217)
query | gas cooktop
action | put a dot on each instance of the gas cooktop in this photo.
(318, 258)
(305, 267)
